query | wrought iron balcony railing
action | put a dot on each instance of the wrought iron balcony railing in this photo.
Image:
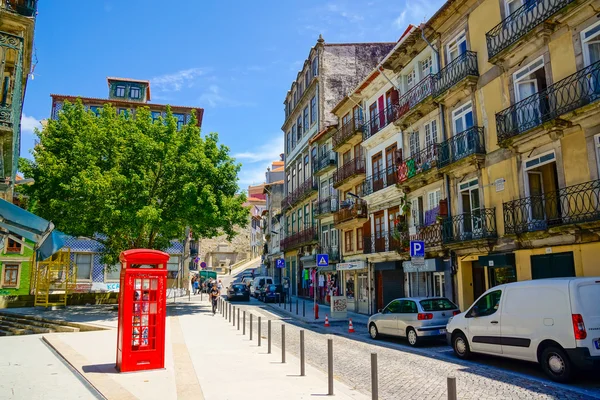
(430, 234)
(475, 225)
(298, 239)
(347, 130)
(348, 170)
(299, 194)
(570, 205)
(523, 20)
(568, 94)
(380, 120)
(355, 209)
(381, 180)
(332, 251)
(463, 66)
(325, 206)
(26, 8)
(420, 162)
(415, 96)
(380, 242)
(327, 159)
(460, 146)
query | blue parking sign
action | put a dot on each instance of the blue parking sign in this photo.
(280, 263)
(417, 248)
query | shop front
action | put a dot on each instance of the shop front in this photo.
(389, 281)
(307, 276)
(432, 279)
(327, 283)
(354, 279)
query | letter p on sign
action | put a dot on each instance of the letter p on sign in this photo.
(417, 248)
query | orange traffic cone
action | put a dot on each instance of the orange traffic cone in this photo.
(350, 327)
(326, 321)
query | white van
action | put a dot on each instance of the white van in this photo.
(258, 283)
(555, 322)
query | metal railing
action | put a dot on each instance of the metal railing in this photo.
(357, 209)
(325, 206)
(475, 225)
(570, 205)
(298, 239)
(347, 131)
(380, 242)
(422, 161)
(327, 159)
(461, 145)
(381, 180)
(520, 22)
(414, 96)
(380, 120)
(332, 251)
(430, 234)
(568, 94)
(351, 168)
(26, 8)
(461, 67)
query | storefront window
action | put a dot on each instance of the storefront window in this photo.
(350, 285)
(502, 275)
(439, 281)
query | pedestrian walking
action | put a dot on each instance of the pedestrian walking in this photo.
(286, 287)
(195, 285)
(220, 286)
(214, 295)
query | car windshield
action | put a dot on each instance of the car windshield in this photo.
(239, 286)
(437, 305)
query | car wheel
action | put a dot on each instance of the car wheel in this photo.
(411, 336)
(373, 332)
(556, 364)
(460, 345)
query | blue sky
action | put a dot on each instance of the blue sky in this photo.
(235, 59)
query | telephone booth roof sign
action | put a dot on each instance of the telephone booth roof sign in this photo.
(144, 256)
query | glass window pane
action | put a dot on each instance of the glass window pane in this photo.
(113, 273)
(84, 266)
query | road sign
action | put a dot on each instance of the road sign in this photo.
(280, 263)
(322, 260)
(418, 261)
(196, 260)
(203, 265)
(417, 248)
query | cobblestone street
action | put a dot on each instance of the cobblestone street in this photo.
(406, 373)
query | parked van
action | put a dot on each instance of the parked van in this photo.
(554, 322)
(258, 283)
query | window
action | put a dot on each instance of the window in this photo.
(180, 120)
(457, 47)
(306, 216)
(357, 114)
(306, 123)
(295, 98)
(411, 79)
(528, 81)
(95, 110)
(173, 263)
(597, 143)
(113, 273)
(348, 241)
(471, 207)
(413, 143)
(462, 118)
(315, 66)
(487, 305)
(306, 79)
(359, 239)
(156, 115)
(288, 142)
(299, 127)
(538, 161)
(293, 222)
(294, 136)
(13, 247)
(313, 109)
(123, 111)
(433, 198)
(416, 210)
(390, 156)
(426, 67)
(120, 91)
(135, 93)
(590, 38)
(431, 133)
(513, 5)
(394, 307)
(306, 169)
(10, 275)
(294, 181)
(300, 90)
(437, 305)
(408, 307)
(299, 219)
(84, 266)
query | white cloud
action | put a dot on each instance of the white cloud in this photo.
(29, 123)
(252, 176)
(176, 81)
(400, 22)
(214, 97)
(267, 152)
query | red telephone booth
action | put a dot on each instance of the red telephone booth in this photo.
(142, 310)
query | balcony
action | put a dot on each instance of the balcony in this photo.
(326, 162)
(332, 251)
(461, 146)
(380, 121)
(346, 172)
(350, 212)
(380, 243)
(575, 204)
(325, 207)
(521, 22)
(300, 193)
(430, 234)
(350, 130)
(463, 67)
(477, 225)
(380, 181)
(26, 8)
(302, 238)
(566, 95)
(418, 163)
(287, 202)
(414, 97)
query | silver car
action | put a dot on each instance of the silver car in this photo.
(413, 318)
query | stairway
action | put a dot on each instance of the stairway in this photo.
(17, 324)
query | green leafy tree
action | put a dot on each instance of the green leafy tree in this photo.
(132, 182)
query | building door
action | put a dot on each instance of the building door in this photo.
(541, 186)
(379, 285)
(471, 209)
(556, 265)
(478, 280)
(379, 232)
(528, 81)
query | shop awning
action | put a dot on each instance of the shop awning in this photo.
(497, 260)
(22, 223)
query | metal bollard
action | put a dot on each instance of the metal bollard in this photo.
(283, 344)
(259, 329)
(229, 313)
(330, 367)
(302, 358)
(303, 308)
(244, 325)
(269, 337)
(296, 306)
(374, 378)
(250, 327)
(238, 317)
(233, 319)
(452, 388)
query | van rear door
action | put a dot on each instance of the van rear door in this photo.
(586, 302)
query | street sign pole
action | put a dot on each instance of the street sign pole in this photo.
(322, 261)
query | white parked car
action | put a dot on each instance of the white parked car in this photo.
(554, 322)
(258, 283)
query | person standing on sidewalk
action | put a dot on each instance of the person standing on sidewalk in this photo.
(286, 288)
(214, 295)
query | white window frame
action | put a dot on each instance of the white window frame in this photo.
(597, 147)
(412, 74)
(22, 245)
(414, 144)
(428, 63)
(429, 137)
(526, 169)
(414, 211)
(584, 41)
(83, 253)
(436, 195)
(507, 8)
(460, 113)
(455, 44)
(469, 186)
(522, 75)
(19, 269)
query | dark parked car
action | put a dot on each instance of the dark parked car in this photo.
(272, 293)
(238, 291)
